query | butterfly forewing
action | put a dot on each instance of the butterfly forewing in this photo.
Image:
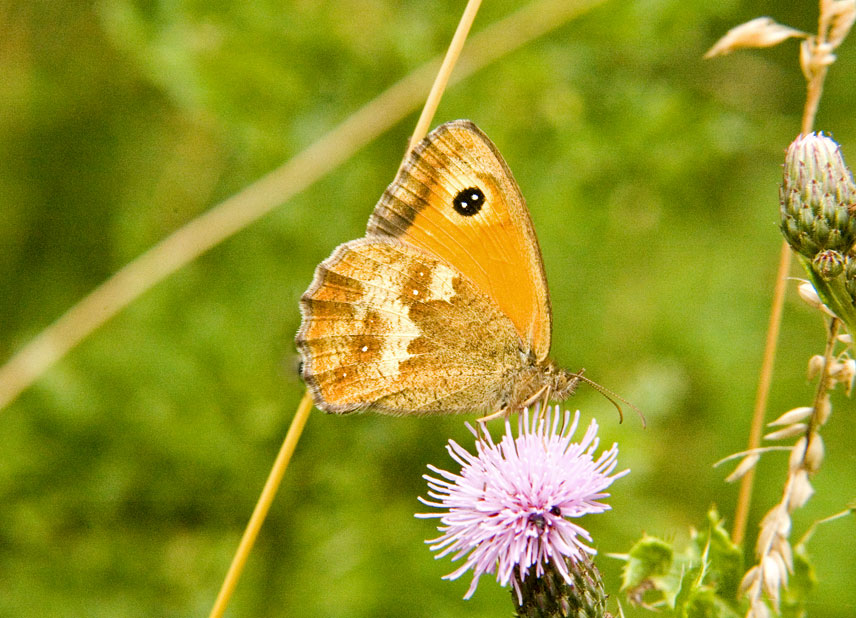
(456, 199)
(388, 327)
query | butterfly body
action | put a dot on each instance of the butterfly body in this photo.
(443, 306)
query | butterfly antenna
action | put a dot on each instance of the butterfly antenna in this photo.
(613, 398)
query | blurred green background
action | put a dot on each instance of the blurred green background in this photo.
(129, 470)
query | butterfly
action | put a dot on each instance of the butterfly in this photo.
(443, 306)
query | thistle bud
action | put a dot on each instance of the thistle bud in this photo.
(828, 264)
(816, 197)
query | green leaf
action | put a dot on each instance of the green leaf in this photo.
(800, 584)
(649, 557)
(690, 587)
(704, 603)
(701, 580)
(724, 558)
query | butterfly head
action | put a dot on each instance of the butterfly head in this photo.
(562, 383)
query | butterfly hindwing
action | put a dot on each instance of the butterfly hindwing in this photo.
(388, 327)
(456, 199)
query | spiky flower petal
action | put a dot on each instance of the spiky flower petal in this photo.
(507, 511)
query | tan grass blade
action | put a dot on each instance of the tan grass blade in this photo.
(442, 79)
(262, 506)
(765, 378)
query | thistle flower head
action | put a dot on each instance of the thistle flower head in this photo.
(817, 197)
(507, 511)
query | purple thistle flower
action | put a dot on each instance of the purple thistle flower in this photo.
(507, 509)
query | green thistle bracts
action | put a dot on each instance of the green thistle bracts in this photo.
(818, 210)
(817, 196)
(550, 596)
(828, 264)
(850, 276)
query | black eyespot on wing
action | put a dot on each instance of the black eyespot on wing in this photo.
(469, 201)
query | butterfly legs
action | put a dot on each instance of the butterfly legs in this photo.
(542, 394)
(501, 413)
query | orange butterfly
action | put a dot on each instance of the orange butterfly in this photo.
(443, 307)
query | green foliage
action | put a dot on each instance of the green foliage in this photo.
(801, 582)
(699, 582)
(649, 560)
(723, 559)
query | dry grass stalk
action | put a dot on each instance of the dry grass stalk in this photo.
(759, 32)
(763, 583)
(836, 19)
